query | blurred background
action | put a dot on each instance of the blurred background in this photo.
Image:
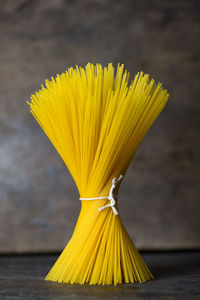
(160, 196)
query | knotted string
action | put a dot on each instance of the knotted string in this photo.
(111, 196)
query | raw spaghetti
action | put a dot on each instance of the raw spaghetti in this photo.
(96, 121)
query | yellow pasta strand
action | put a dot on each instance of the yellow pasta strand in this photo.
(96, 121)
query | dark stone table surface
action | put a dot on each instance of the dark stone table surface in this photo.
(177, 276)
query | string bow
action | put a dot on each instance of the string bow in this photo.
(112, 196)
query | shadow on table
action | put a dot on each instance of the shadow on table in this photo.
(175, 264)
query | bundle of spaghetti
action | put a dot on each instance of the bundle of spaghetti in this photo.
(96, 120)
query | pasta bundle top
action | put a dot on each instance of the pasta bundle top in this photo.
(96, 120)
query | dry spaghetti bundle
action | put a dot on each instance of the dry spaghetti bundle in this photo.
(96, 121)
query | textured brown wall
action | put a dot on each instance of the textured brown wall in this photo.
(161, 193)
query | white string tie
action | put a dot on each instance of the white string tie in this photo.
(111, 196)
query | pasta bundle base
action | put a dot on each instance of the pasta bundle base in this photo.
(108, 256)
(96, 120)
